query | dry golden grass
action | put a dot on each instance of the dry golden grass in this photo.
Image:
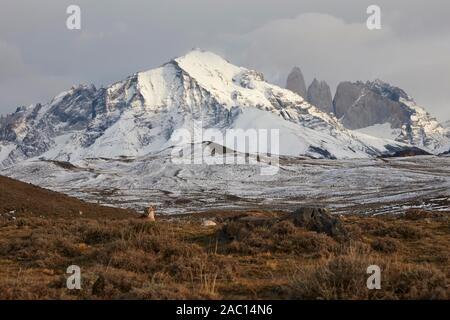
(129, 258)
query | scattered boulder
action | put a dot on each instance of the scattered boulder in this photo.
(241, 226)
(318, 220)
(313, 219)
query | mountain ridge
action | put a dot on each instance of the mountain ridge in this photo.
(367, 106)
(138, 115)
(378, 109)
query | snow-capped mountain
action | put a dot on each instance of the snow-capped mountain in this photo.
(381, 110)
(138, 116)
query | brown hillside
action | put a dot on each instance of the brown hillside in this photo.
(244, 255)
(26, 199)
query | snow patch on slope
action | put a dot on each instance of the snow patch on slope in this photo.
(383, 131)
(5, 150)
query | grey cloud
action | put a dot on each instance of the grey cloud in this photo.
(331, 49)
(11, 64)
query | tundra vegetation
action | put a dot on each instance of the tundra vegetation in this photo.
(306, 254)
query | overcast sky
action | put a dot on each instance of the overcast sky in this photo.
(40, 57)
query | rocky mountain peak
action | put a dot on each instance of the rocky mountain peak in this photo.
(319, 95)
(388, 111)
(388, 91)
(296, 82)
(359, 105)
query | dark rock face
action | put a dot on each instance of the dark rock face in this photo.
(409, 152)
(359, 105)
(33, 128)
(296, 82)
(346, 95)
(319, 95)
(319, 220)
(324, 153)
(75, 110)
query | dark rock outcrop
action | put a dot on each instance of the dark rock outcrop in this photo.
(313, 219)
(361, 105)
(296, 82)
(318, 220)
(319, 95)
